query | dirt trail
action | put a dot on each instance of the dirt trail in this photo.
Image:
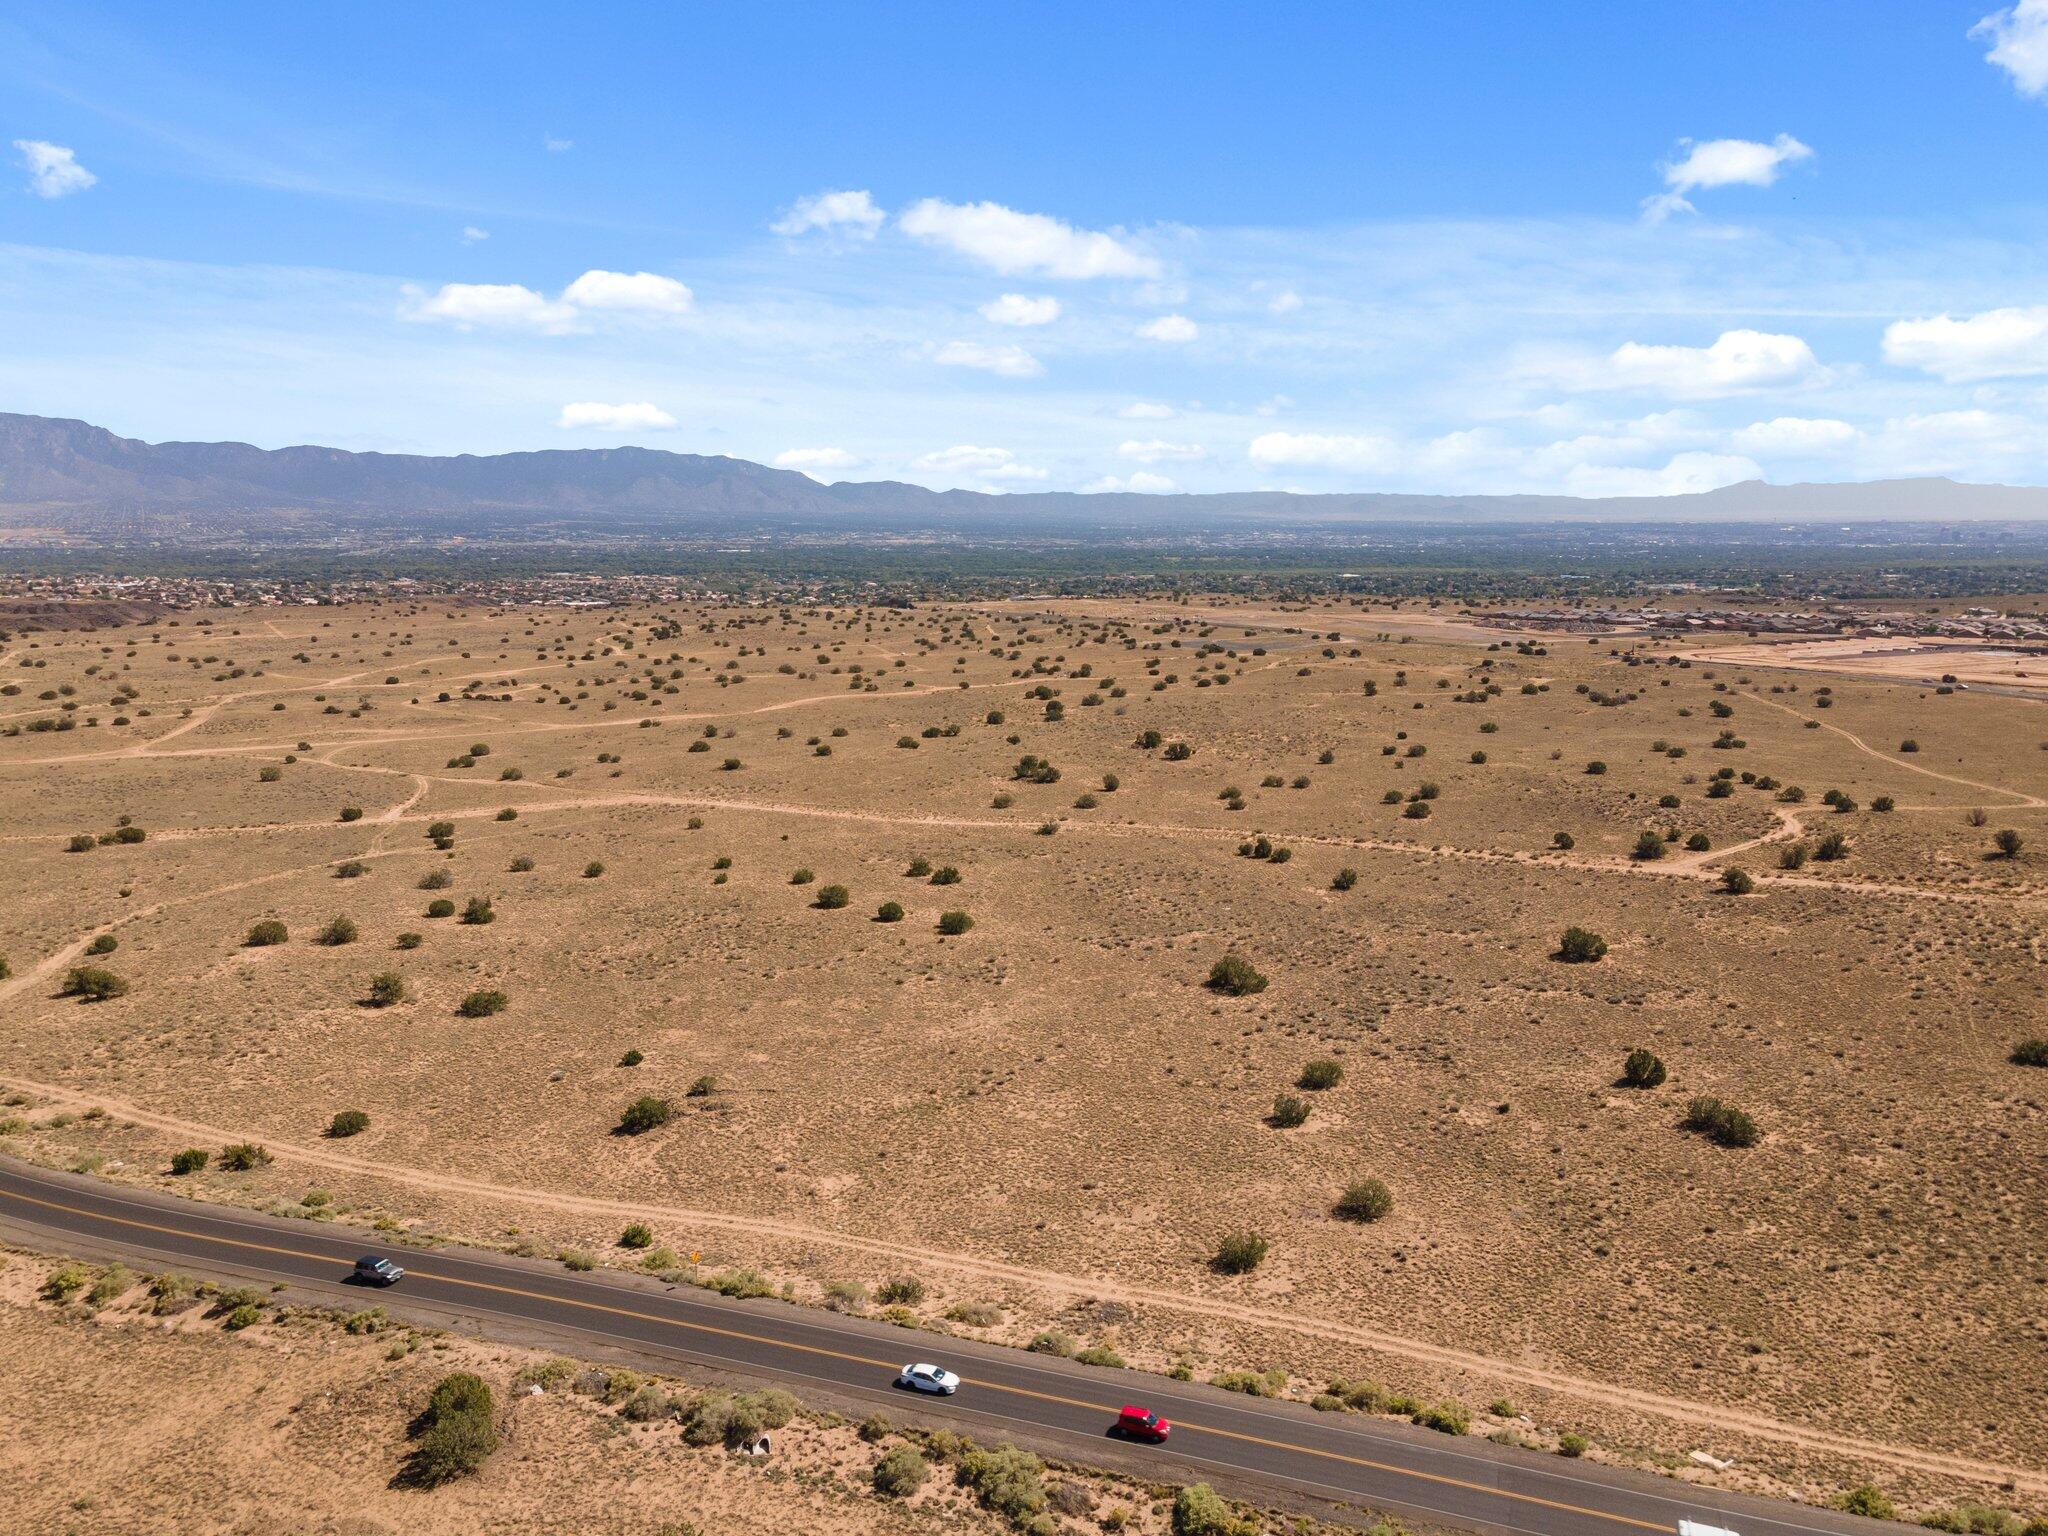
(1053, 1282)
(2021, 799)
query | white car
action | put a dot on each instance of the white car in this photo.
(929, 1378)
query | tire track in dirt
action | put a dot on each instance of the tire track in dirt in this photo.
(2021, 799)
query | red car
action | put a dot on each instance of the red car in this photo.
(1141, 1424)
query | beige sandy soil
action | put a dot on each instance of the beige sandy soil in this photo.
(1051, 1112)
(1905, 660)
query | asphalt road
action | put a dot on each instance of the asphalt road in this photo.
(1249, 1447)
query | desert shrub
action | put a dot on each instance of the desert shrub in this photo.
(1320, 1074)
(190, 1160)
(637, 1235)
(1006, 1480)
(1737, 882)
(438, 830)
(1032, 769)
(93, 983)
(81, 842)
(456, 1435)
(1235, 977)
(742, 1284)
(65, 1282)
(440, 906)
(889, 912)
(702, 1088)
(1563, 842)
(1102, 1355)
(632, 1058)
(1199, 1510)
(114, 1281)
(833, 897)
(1365, 1200)
(1449, 1418)
(1648, 846)
(594, 869)
(338, 930)
(1867, 1500)
(351, 813)
(644, 1114)
(1239, 1253)
(1830, 847)
(1571, 1445)
(846, 1296)
(1792, 857)
(919, 868)
(477, 911)
(386, 988)
(1720, 1123)
(482, 1003)
(946, 874)
(241, 1157)
(2030, 1053)
(1289, 1111)
(1344, 879)
(975, 1314)
(348, 1122)
(269, 931)
(1580, 946)
(104, 944)
(1642, 1069)
(521, 865)
(353, 869)
(900, 1472)
(1267, 1383)
(801, 877)
(953, 924)
(901, 1291)
(436, 880)
(1054, 1341)
(2008, 842)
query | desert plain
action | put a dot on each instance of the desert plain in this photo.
(909, 919)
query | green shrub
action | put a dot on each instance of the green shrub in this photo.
(889, 912)
(901, 1290)
(103, 944)
(1580, 946)
(93, 983)
(1720, 1123)
(1449, 1418)
(1006, 1480)
(2030, 1053)
(1642, 1069)
(269, 931)
(1737, 882)
(1102, 1355)
(482, 1004)
(1649, 846)
(339, 930)
(477, 911)
(1235, 977)
(1054, 1341)
(440, 906)
(900, 1472)
(1320, 1074)
(456, 1434)
(1867, 1500)
(953, 924)
(191, 1160)
(386, 988)
(1365, 1200)
(833, 897)
(242, 1156)
(1345, 879)
(632, 1059)
(65, 1282)
(1198, 1510)
(348, 1122)
(1571, 1445)
(1239, 1253)
(1289, 1111)
(644, 1114)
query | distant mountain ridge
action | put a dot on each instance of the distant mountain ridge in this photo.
(74, 477)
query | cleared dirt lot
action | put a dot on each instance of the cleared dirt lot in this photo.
(1051, 1111)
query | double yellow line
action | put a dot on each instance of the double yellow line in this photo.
(1441, 1479)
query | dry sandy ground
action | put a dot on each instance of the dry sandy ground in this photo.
(1051, 1112)
(120, 1420)
(1907, 660)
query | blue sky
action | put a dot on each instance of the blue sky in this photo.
(1598, 248)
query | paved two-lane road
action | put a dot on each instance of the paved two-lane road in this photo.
(1246, 1446)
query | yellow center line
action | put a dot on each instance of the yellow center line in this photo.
(1443, 1479)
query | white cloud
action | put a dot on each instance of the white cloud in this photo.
(1010, 361)
(1999, 343)
(1722, 163)
(1021, 309)
(1013, 242)
(1273, 406)
(1146, 410)
(1686, 474)
(849, 213)
(471, 234)
(2019, 44)
(985, 463)
(1154, 451)
(632, 416)
(1795, 435)
(1737, 361)
(1170, 328)
(643, 291)
(1142, 482)
(53, 170)
(491, 304)
(555, 146)
(1274, 450)
(1285, 302)
(811, 459)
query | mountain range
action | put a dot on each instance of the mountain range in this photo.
(72, 479)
